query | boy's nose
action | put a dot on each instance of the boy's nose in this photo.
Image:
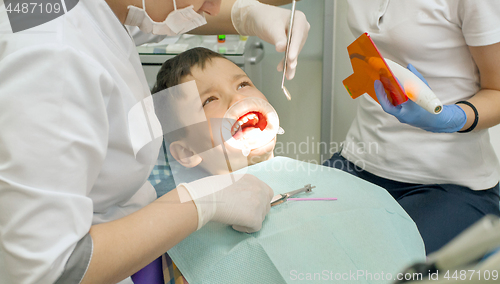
(211, 7)
(235, 98)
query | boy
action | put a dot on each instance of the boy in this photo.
(194, 150)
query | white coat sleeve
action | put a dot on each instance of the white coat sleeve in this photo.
(480, 22)
(54, 132)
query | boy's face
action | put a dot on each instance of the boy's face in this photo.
(221, 84)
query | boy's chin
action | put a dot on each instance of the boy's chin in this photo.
(262, 154)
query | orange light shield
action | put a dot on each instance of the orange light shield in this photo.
(369, 65)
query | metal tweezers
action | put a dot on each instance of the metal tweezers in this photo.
(280, 198)
(288, 40)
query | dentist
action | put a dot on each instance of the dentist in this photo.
(75, 204)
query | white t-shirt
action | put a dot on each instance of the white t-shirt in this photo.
(66, 153)
(432, 35)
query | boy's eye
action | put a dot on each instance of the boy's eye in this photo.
(209, 100)
(243, 84)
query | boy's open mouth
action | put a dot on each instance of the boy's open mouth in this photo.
(249, 121)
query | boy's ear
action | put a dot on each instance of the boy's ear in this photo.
(184, 155)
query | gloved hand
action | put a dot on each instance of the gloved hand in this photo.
(270, 23)
(243, 204)
(451, 119)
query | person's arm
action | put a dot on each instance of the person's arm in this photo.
(221, 24)
(269, 23)
(487, 100)
(122, 247)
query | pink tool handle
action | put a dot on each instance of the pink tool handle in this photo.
(311, 199)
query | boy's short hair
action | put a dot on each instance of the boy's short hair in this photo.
(170, 75)
(173, 70)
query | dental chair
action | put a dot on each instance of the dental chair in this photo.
(471, 257)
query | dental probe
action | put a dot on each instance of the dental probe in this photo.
(289, 37)
(280, 198)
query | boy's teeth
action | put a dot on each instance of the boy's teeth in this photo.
(235, 129)
(248, 117)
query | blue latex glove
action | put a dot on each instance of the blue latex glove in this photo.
(451, 119)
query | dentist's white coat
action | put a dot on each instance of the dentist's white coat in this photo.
(66, 159)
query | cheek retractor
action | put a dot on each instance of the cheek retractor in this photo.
(250, 124)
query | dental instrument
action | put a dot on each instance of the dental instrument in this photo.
(400, 83)
(288, 40)
(314, 199)
(280, 198)
(415, 88)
